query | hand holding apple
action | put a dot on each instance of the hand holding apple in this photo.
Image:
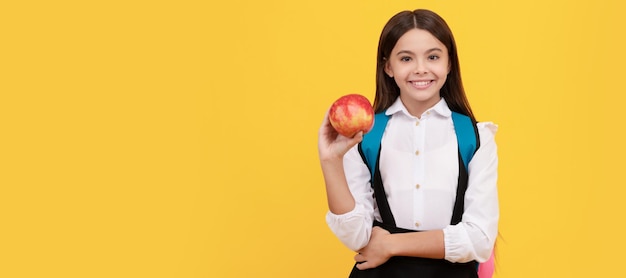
(350, 114)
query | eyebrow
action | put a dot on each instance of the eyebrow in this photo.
(411, 52)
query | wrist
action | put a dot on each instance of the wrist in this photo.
(331, 159)
(391, 247)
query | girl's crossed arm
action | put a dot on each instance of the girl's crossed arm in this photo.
(383, 245)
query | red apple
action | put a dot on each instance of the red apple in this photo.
(350, 114)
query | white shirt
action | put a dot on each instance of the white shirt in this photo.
(419, 170)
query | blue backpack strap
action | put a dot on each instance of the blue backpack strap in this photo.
(467, 136)
(467, 140)
(370, 146)
(369, 149)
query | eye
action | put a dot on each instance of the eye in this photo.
(405, 58)
(433, 57)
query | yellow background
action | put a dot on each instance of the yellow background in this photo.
(178, 138)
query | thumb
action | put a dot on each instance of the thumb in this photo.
(351, 142)
(357, 138)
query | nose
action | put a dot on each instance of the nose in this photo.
(420, 67)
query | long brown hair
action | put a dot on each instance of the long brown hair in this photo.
(386, 88)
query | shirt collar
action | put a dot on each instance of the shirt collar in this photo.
(440, 108)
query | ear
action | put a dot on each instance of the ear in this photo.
(387, 68)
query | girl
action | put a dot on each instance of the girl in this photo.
(418, 85)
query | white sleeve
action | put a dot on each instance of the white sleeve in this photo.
(474, 237)
(354, 228)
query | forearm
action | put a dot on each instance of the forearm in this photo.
(350, 199)
(340, 199)
(427, 244)
(383, 245)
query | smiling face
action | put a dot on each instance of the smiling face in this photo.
(419, 64)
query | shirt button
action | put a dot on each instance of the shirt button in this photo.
(417, 224)
(417, 123)
(417, 152)
(417, 186)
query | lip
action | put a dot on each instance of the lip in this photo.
(421, 84)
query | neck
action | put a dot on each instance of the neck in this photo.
(417, 108)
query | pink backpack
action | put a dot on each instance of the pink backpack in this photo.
(485, 270)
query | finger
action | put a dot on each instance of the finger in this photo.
(326, 130)
(378, 229)
(326, 121)
(363, 266)
(359, 258)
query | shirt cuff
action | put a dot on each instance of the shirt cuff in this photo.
(458, 246)
(337, 218)
(351, 228)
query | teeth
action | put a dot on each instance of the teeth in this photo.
(421, 83)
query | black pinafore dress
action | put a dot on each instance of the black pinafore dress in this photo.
(405, 267)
